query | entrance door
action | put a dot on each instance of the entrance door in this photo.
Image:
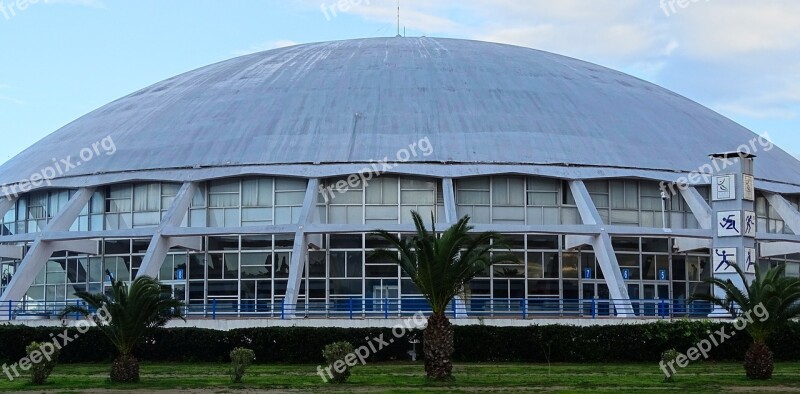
(383, 295)
(591, 290)
(652, 296)
(595, 295)
(176, 289)
(179, 291)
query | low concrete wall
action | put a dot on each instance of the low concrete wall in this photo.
(230, 324)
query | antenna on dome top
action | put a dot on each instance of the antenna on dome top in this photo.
(398, 18)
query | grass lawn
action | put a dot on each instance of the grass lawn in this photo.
(408, 378)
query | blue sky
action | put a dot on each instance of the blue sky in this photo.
(60, 59)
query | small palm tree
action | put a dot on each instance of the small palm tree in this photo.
(778, 298)
(131, 312)
(441, 264)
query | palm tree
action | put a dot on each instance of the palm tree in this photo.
(776, 300)
(441, 264)
(131, 312)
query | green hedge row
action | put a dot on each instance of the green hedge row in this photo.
(600, 344)
(554, 343)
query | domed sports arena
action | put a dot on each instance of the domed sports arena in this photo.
(250, 187)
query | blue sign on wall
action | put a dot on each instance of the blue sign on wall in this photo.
(179, 274)
(587, 273)
(626, 273)
(662, 274)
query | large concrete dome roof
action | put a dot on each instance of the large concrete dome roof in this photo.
(313, 108)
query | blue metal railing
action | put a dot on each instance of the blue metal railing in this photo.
(386, 308)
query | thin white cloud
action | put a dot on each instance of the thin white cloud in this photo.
(671, 46)
(9, 99)
(778, 96)
(723, 30)
(264, 46)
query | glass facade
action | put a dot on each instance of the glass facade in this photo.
(33, 211)
(137, 206)
(639, 203)
(546, 201)
(243, 274)
(7, 269)
(768, 219)
(247, 202)
(383, 200)
(236, 273)
(792, 263)
(223, 203)
(515, 200)
(547, 274)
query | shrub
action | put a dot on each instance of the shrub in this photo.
(629, 343)
(335, 355)
(668, 357)
(47, 354)
(241, 358)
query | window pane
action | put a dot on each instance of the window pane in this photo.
(551, 265)
(215, 266)
(123, 191)
(535, 269)
(417, 184)
(223, 200)
(477, 183)
(569, 264)
(354, 264)
(337, 264)
(543, 199)
(250, 193)
(382, 191)
(259, 215)
(345, 287)
(617, 194)
(382, 213)
(231, 266)
(631, 195)
(351, 196)
(417, 197)
(147, 197)
(543, 184)
(472, 197)
(224, 186)
(282, 262)
(223, 288)
(290, 198)
(289, 184)
(316, 264)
